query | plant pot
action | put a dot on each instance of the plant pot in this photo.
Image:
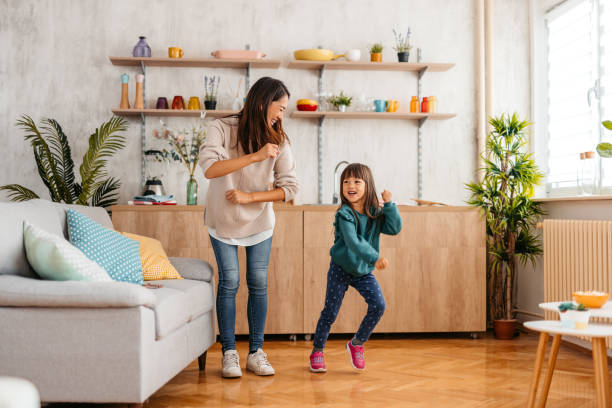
(504, 329)
(403, 56)
(342, 108)
(575, 319)
(376, 56)
(210, 105)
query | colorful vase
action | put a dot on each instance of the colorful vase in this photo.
(142, 49)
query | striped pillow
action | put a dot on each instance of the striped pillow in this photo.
(155, 263)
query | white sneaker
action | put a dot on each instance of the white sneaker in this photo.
(231, 365)
(258, 363)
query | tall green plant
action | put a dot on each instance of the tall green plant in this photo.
(56, 167)
(508, 179)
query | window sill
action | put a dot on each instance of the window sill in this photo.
(575, 198)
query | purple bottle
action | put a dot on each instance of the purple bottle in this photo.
(142, 49)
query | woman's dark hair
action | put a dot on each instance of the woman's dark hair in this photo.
(371, 204)
(254, 130)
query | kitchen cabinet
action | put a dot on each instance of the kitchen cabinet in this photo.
(435, 281)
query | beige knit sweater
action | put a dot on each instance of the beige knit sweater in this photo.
(242, 220)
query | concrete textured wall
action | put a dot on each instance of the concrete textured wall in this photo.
(56, 65)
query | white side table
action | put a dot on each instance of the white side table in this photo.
(18, 393)
(596, 332)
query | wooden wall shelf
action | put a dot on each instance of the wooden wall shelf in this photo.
(371, 66)
(371, 115)
(194, 62)
(173, 112)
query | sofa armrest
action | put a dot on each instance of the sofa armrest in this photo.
(18, 291)
(193, 268)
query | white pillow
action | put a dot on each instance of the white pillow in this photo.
(54, 258)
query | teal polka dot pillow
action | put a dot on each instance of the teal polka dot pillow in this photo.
(114, 252)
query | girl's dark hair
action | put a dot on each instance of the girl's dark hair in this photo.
(254, 130)
(371, 204)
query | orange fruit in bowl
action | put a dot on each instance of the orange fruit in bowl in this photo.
(592, 299)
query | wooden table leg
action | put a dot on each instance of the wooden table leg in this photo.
(535, 379)
(552, 360)
(602, 380)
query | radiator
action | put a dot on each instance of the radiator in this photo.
(577, 256)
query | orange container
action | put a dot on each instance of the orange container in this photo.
(415, 105)
(425, 105)
(376, 56)
(433, 104)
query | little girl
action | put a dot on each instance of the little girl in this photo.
(354, 255)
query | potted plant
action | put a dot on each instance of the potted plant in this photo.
(503, 193)
(341, 101)
(186, 144)
(574, 316)
(56, 167)
(376, 52)
(605, 149)
(211, 88)
(402, 45)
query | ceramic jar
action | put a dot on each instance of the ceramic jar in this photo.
(142, 49)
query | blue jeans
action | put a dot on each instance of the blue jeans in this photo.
(229, 279)
(338, 282)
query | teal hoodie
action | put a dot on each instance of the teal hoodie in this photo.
(356, 244)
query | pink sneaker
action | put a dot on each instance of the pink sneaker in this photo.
(317, 362)
(357, 358)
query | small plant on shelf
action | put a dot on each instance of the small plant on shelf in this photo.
(211, 89)
(341, 101)
(376, 52)
(402, 45)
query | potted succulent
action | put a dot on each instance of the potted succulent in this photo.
(376, 52)
(503, 193)
(402, 45)
(211, 88)
(341, 101)
(574, 316)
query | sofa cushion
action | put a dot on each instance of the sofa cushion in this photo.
(155, 263)
(193, 268)
(117, 254)
(41, 213)
(179, 302)
(54, 258)
(98, 214)
(18, 291)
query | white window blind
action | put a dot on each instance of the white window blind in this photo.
(572, 71)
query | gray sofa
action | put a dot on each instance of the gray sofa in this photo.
(96, 341)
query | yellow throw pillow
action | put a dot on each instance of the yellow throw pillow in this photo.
(155, 263)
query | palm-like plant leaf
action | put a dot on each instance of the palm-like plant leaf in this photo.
(47, 167)
(107, 193)
(62, 155)
(18, 193)
(103, 143)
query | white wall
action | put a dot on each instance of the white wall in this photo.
(55, 64)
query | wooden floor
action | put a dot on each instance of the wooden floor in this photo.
(407, 372)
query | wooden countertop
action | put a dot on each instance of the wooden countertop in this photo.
(287, 207)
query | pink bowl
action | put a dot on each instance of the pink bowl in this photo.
(238, 54)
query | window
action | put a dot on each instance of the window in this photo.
(579, 48)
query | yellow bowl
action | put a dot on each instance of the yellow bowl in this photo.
(315, 54)
(306, 102)
(590, 301)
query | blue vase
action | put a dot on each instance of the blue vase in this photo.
(142, 49)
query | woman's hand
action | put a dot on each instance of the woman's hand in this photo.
(238, 197)
(381, 264)
(386, 196)
(269, 151)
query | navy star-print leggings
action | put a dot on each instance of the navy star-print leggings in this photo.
(338, 282)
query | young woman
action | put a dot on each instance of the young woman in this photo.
(242, 156)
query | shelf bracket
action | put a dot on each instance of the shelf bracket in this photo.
(247, 76)
(142, 67)
(420, 132)
(320, 159)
